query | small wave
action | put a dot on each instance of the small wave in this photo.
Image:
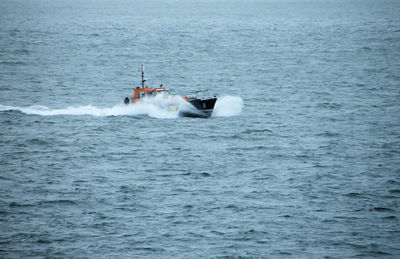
(392, 217)
(382, 209)
(16, 204)
(13, 63)
(353, 195)
(257, 131)
(57, 202)
(39, 142)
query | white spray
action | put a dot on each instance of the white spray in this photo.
(228, 106)
(154, 107)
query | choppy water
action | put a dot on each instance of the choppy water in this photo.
(300, 159)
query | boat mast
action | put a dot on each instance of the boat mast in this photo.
(143, 80)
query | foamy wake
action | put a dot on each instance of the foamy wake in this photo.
(157, 108)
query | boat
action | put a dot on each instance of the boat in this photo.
(188, 106)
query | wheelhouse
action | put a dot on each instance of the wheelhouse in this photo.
(140, 93)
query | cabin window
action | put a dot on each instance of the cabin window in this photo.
(163, 92)
(146, 94)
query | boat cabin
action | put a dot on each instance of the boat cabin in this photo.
(140, 93)
(146, 91)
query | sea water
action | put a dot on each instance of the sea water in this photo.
(300, 158)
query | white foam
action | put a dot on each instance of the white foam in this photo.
(228, 106)
(144, 108)
(157, 107)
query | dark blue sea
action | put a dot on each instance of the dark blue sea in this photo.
(300, 159)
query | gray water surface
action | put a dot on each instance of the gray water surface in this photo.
(300, 160)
